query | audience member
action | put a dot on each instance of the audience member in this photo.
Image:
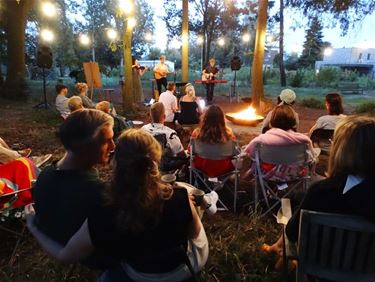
(69, 190)
(75, 103)
(189, 105)
(213, 130)
(82, 90)
(169, 101)
(119, 124)
(351, 177)
(286, 97)
(283, 121)
(61, 102)
(146, 224)
(335, 113)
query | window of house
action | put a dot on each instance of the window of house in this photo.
(368, 57)
(360, 56)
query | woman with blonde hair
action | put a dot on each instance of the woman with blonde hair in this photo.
(189, 105)
(349, 188)
(146, 224)
(82, 89)
(213, 130)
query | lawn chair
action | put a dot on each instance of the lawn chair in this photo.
(228, 150)
(7, 201)
(336, 247)
(322, 138)
(291, 169)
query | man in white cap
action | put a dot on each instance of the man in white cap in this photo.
(286, 97)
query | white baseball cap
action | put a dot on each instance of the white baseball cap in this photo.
(287, 96)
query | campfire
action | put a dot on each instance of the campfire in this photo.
(245, 117)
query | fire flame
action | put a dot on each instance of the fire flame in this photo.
(247, 114)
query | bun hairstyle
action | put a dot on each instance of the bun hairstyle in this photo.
(81, 87)
(136, 190)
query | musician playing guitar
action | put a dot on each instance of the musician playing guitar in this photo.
(161, 71)
(209, 73)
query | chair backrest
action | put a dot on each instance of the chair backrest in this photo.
(188, 107)
(321, 134)
(288, 154)
(336, 247)
(214, 151)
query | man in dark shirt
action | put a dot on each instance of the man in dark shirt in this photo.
(69, 190)
(209, 73)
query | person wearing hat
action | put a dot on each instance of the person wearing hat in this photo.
(286, 97)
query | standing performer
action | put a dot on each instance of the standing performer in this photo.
(137, 72)
(161, 71)
(209, 73)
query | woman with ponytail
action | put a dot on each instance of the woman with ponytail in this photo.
(152, 229)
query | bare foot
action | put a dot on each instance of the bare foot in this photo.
(271, 248)
(25, 152)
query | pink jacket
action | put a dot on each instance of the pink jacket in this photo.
(277, 136)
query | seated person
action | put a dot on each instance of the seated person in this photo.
(286, 97)
(61, 102)
(82, 90)
(75, 103)
(189, 106)
(146, 224)
(173, 147)
(120, 122)
(349, 188)
(169, 101)
(69, 190)
(283, 121)
(213, 130)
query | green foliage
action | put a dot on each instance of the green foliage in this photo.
(313, 103)
(366, 107)
(297, 79)
(329, 76)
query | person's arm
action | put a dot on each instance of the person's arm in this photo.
(7, 155)
(196, 224)
(77, 248)
(175, 105)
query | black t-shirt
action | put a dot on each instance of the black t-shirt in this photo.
(209, 69)
(64, 199)
(327, 196)
(154, 250)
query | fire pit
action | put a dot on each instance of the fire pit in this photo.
(246, 117)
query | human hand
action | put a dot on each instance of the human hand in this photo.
(29, 215)
(192, 199)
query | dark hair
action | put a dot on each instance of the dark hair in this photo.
(137, 191)
(133, 59)
(170, 86)
(82, 128)
(213, 128)
(283, 117)
(334, 102)
(60, 87)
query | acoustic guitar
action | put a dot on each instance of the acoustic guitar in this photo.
(160, 75)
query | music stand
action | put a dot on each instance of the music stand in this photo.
(43, 104)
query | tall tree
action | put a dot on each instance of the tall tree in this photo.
(312, 47)
(13, 18)
(281, 46)
(257, 89)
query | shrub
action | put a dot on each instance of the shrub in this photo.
(297, 79)
(313, 103)
(365, 107)
(329, 76)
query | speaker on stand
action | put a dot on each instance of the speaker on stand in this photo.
(44, 60)
(235, 65)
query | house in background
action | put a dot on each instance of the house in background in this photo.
(355, 59)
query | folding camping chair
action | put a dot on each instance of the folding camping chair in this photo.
(291, 166)
(7, 200)
(228, 150)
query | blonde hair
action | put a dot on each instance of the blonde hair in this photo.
(83, 128)
(353, 148)
(103, 106)
(190, 91)
(137, 190)
(75, 103)
(81, 87)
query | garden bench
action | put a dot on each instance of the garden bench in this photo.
(349, 87)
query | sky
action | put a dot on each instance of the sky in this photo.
(362, 35)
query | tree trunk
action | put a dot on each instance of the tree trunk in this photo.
(127, 90)
(281, 46)
(16, 17)
(257, 89)
(185, 43)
